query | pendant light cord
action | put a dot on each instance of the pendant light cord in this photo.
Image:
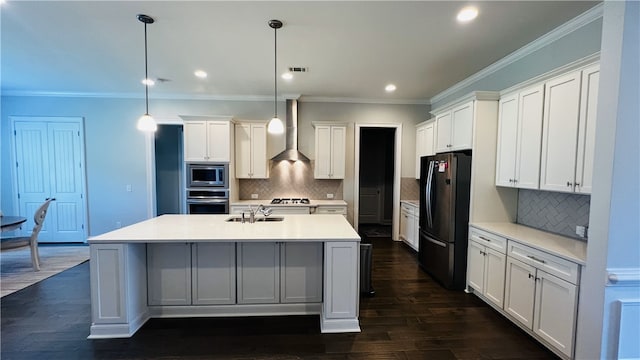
(146, 75)
(275, 72)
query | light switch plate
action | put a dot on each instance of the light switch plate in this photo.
(329, 196)
(581, 231)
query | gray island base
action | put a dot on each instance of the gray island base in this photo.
(205, 266)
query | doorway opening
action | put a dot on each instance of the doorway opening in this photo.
(377, 180)
(169, 169)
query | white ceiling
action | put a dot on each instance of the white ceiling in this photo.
(352, 49)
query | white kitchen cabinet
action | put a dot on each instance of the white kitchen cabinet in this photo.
(301, 272)
(486, 265)
(213, 273)
(270, 273)
(408, 224)
(331, 209)
(207, 141)
(569, 131)
(587, 128)
(519, 138)
(169, 275)
(425, 144)
(454, 128)
(330, 151)
(186, 274)
(540, 301)
(251, 150)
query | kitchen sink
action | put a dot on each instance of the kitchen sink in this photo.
(258, 219)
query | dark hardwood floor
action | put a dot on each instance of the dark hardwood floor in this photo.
(410, 317)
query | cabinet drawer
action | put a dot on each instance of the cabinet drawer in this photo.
(495, 242)
(409, 208)
(331, 210)
(564, 269)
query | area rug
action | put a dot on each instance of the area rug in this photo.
(378, 231)
(17, 273)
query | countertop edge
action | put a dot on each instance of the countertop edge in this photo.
(547, 242)
(170, 241)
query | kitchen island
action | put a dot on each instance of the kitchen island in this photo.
(204, 265)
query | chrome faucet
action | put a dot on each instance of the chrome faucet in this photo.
(252, 213)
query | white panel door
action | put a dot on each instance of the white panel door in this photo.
(213, 273)
(462, 123)
(494, 265)
(218, 133)
(475, 266)
(301, 272)
(66, 173)
(169, 274)
(527, 171)
(258, 273)
(259, 161)
(370, 205)
(587, 128)
(519, 291)
(323, 152)
(560, 133)
(50, 164)
(443, 132)
(507, 140)
(338, 151)
(243, 151)
(195, 140)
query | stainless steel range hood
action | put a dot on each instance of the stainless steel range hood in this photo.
(291, 152)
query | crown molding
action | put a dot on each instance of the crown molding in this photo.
(363, 101)
(475, 95)
(570, 26)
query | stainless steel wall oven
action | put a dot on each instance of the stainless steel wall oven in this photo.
(207, 188)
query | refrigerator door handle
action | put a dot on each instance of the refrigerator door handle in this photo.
(439, 243)
(428, 194)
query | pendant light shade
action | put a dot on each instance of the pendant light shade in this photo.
(146, 122)
(275, 125)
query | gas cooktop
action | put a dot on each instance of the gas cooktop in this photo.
(290, 201)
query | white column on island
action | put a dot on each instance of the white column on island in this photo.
(341, 287)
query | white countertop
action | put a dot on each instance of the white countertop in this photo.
(207, 228)
(562, 246)
(267, 203)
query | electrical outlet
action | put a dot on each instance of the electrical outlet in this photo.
(129, 188)
(254, 196)
(118, 224)
(581, 231)
(329, 196)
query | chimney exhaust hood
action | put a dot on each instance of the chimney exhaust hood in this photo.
(291, 152)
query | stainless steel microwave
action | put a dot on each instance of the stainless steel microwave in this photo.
(208, 175)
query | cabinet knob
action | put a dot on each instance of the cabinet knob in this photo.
(577, 184)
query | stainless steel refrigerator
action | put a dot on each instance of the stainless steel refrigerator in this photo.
(444, 217)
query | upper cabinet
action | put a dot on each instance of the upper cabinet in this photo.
(251, 150)
(455, 128)
(207, 140)
(569, 131)
(330, 151)
(519, 138)
(425, 144)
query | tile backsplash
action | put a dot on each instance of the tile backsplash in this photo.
(559, 213)
(287, 179)
(409, 189)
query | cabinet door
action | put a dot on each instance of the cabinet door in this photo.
(338, 154)
(301, 272)
(507, 140)
(195, 141)
(462, 127)
(411, 231)
(323, 152)
(259, 161)
(587, 128)
(424, 143)
(555, 311)
(404, 222)
(243, 151)
(213, 273)
(416, 234)
(494, 267)
(443, 132)
(520, 291)
(218, 139)
(475, 266)
(527, 169)
(258, 273)
(560, 132)
(169, 274)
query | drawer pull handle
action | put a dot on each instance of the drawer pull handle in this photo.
(484, 238)
(536, 259)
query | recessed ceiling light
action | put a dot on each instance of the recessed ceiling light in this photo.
(467, 14)
(149, 82)
(390, 88)
(200, 73)
(287, 76)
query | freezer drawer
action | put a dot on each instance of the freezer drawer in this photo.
(445, 262)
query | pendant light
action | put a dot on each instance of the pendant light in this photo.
(275, 125)
(146, 122)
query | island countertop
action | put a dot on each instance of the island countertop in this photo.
(208, 228)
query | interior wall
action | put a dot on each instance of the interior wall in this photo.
(115, 149)
(168, 141)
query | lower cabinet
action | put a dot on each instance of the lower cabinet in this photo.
(191, 274)
(409, 220)
(486, 265)
(543, 303)
(271, 273)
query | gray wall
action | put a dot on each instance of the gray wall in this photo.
(115, 150)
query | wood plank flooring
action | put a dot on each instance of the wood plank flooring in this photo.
(410, 317)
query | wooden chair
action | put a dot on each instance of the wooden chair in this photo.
(31, 241)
